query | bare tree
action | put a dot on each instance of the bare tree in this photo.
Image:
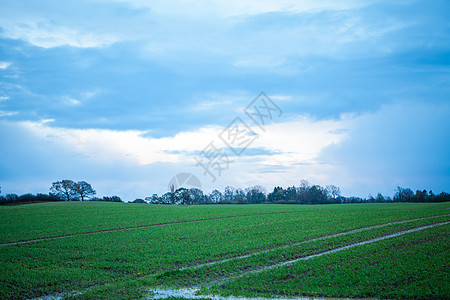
(333, 191)
(84, 189)
(64, 189)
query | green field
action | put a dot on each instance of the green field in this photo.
(95, 250)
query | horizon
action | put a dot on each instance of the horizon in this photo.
(193, 184)
(128, 94)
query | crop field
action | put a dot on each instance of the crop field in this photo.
(95, 250)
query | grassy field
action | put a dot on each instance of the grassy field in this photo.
(126, 251)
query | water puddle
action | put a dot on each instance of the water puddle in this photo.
(191, 294)
(58, 296)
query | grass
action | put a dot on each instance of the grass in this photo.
(228, 268)
(125, 264)
(23, 222)
(414, 266)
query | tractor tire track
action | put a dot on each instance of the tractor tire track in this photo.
(191, 292)
(285, 263)
(310, 240)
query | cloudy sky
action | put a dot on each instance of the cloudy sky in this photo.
(126, 94)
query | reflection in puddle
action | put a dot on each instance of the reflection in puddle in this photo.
(190, 294)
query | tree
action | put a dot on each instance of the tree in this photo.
(420, 196)
(303, 192)
(182, 196)
(64, 189)
(228, 194)
(239, 196)
(154, 199)
(291, 195)
(277, 195)
(111, 199)
(197, 196)
(216, 196)
(255, 194)
(380, 198)
(139, 201)
(403, 195)
(333, 191)
(168, 198)
(12, 198)
(84, 189)
(317, 195)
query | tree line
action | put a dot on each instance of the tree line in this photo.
(64, 190)
(305, 193)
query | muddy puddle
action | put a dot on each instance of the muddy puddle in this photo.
(191, 294)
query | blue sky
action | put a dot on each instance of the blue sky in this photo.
(126, 93)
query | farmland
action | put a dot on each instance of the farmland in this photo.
(116, 250)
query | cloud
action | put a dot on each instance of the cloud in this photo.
(70, 152)
(82, 98)
(281, 97)
(234, 8)
(5, 64)
(300, 140)
(4, 113)
(404, 144)
(72, 101)
(46, 34)
(137, 88)
(220, 102)
(288, 140)
(79, 24)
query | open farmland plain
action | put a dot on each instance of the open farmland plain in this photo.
(94, 250)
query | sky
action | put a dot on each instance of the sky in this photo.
(126, 94)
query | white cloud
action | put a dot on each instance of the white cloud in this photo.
(268, 34)
(301, 140)
(281, 97)
(291, 151)
(81, 98)
(206, 30)
(296, 141)
(233, 8)
(259, 61)
(5, 64)
(110, 145)
(3, 98)
(73, 101)
(361, 154)
(402, 144)
(210, 105)
(215, 101)
(4, 113)
(46, 34)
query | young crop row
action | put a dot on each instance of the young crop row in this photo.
(117, 258)
(238, 266)
(35, 221)
(211, 273)
(412, 266)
